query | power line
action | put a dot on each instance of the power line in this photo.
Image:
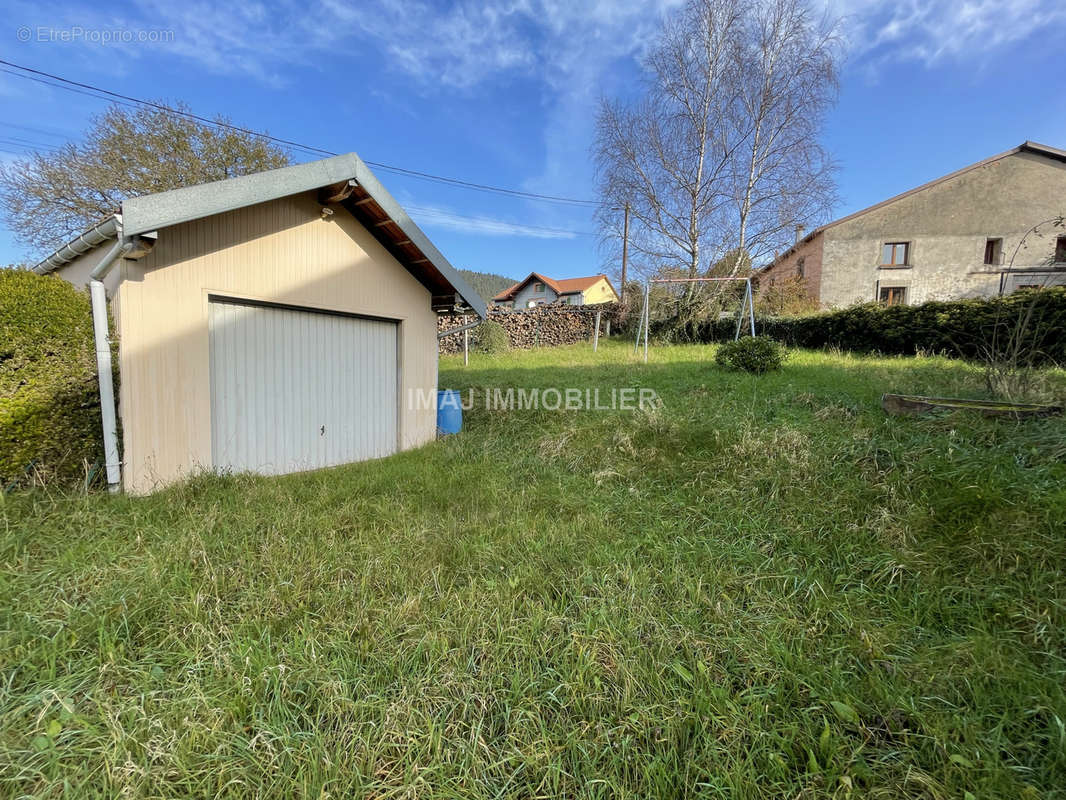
(28, 148)
(89, 89)
(32, 129)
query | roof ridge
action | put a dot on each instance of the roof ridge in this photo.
(1035, 147)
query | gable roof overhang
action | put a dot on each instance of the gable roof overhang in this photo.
(1036, 148)
(563, 286)
(343, 179)
(508, 294)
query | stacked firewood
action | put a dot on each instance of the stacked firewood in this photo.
(547, 326)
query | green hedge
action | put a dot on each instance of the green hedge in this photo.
(958, 328)
(49, 401)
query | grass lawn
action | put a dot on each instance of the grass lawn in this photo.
(766, 588)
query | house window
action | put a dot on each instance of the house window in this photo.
(1060, 250)
(895, 254)
(538, 288)
(801, 267)
(993, 251)
(894, 295)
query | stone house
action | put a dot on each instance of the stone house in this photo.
(967, 234)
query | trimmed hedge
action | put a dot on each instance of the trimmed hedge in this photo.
(49, 403)
(957, 328)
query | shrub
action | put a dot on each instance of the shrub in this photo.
(491, 337)
(757, 354)
(49, 401)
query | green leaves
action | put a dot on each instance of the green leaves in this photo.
(756, 354)
(49, 407)
(845, 712)
(683, 671)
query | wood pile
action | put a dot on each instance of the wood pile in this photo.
(547, 326)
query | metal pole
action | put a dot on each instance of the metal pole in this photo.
(466, 347)
(625, 253)
(751, 308)
(647, 318)
(740, 317)
(640, 325)
(596, 333)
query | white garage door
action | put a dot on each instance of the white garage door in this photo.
(293, 389)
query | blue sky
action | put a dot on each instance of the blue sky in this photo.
(504, 92)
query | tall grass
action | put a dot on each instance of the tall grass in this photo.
(765, 588)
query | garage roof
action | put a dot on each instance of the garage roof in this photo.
(343, 179)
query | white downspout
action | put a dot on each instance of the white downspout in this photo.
(98, 298)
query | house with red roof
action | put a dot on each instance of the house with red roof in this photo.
(538, 290)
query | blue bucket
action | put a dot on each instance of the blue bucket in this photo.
(449, 412)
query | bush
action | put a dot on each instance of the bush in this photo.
(49, 400)
(757, 354)
(960, 328)
(491, 337)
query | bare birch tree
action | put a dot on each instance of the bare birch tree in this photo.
(720, 157)
(782, 176)
(668, 155)
(47, 198)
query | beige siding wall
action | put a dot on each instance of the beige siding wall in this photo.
(947, 226)
(599, 292)
(283, 252)
(79, 270)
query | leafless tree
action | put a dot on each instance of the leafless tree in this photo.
(720, 155)
(1013, 348)
(782, 176)
(47, 198)
(667, 155)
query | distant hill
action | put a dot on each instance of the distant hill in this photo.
(486, 284)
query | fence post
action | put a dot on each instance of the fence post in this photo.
(607, 332)
(466, 347)
(596, 334)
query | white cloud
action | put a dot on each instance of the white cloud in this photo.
(440, 217)
(933, 31)
(467, 42)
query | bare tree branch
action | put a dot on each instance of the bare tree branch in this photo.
(48, 199)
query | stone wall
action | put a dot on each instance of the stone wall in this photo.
(947, 225)
(548, 326)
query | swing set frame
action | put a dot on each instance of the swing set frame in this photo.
(747, 306)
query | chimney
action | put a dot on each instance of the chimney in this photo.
(800, 230)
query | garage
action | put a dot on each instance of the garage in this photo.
(270, 323)
(332, 379)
